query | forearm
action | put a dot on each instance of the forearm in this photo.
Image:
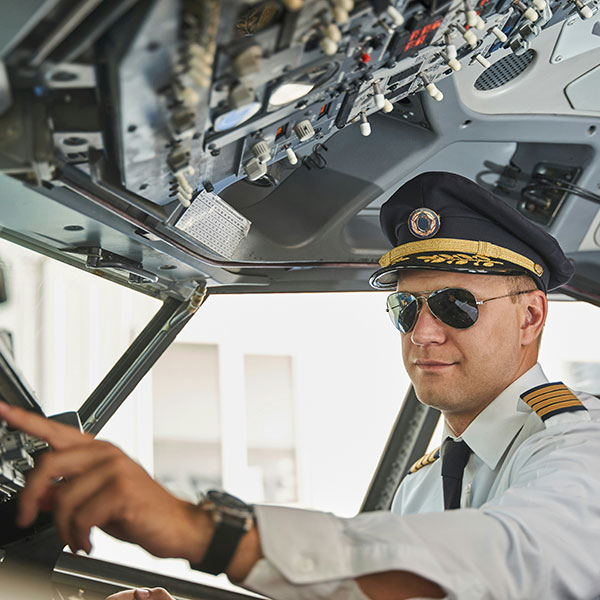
(395, 585)
(398, 585)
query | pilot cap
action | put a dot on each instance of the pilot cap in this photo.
(445, 222)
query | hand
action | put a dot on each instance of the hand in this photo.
(103, 487)
(142, 594)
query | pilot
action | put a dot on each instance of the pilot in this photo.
(506, 508)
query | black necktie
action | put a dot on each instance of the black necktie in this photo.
(454, 459)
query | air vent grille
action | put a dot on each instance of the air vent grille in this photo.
(503, 71)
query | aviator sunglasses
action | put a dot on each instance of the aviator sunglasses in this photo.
(455, 307)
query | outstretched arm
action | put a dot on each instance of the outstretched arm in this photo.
(102, 487)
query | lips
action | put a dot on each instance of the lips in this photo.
(432, 365)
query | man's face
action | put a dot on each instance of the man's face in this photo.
(460, 371)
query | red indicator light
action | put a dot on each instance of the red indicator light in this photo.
(365, 57)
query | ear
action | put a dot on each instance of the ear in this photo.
(534, 310)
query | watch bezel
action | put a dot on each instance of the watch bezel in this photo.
(226, 507)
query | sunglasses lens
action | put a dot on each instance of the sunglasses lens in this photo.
(403, 309)
(455, 307)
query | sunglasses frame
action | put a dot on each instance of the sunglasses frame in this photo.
(420, 297)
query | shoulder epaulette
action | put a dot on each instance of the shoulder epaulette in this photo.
(552, 399)
(429, 458)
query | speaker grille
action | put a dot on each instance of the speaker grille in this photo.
(503, 71)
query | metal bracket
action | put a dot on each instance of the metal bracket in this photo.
(99, 259)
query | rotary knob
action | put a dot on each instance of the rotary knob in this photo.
(304, 130)
(261, 151)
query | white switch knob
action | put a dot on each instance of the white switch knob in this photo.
(293, 5)
(328, 46)
(499, 34)
(482, 60)
(388, 107)
(471, 18)
(365, 126)
(255, 169)
(470, 37)
(378, 96)
(586, 12)
(333, 32)
(347, 5)
(340, 15)
(184, 185)
(531, 14)
(395, 15)
(480, 23)
(434, 92)
(291, 155)
(184, 200)
(304, 130)
(451, 51)
(454, 64)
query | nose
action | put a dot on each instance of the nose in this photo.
(427, 330)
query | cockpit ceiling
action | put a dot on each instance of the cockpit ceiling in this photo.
(250, 144)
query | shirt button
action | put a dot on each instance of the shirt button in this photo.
(305, 564)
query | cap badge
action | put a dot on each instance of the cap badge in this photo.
(423, 223)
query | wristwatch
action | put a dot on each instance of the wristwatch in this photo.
(233, 518)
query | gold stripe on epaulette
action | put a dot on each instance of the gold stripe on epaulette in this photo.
(543, 390)
(556, 407)
(429, 458)
(552, 399)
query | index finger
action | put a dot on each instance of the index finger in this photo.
(59, 436)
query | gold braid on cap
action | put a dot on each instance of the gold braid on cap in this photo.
(482, 250)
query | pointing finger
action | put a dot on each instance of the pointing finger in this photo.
(59, 436)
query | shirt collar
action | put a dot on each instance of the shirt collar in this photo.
(497, 424)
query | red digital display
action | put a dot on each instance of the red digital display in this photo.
(421, 36)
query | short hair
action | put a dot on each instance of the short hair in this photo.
(519, 283)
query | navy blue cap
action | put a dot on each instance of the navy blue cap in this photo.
(446, 222)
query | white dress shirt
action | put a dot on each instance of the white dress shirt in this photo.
(528, 527)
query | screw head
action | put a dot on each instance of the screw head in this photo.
(558, 58)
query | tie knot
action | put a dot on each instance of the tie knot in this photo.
(455, 456)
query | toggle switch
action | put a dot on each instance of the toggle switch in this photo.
(365, 126)
(482, 60)
(468, 35)
(528, 11)
(396, 16)
(431, 88)
(291, 155)
(388, 107)
(378, 96)
(585, 12)
(500, 35)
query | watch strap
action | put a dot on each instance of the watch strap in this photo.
(221, 549)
